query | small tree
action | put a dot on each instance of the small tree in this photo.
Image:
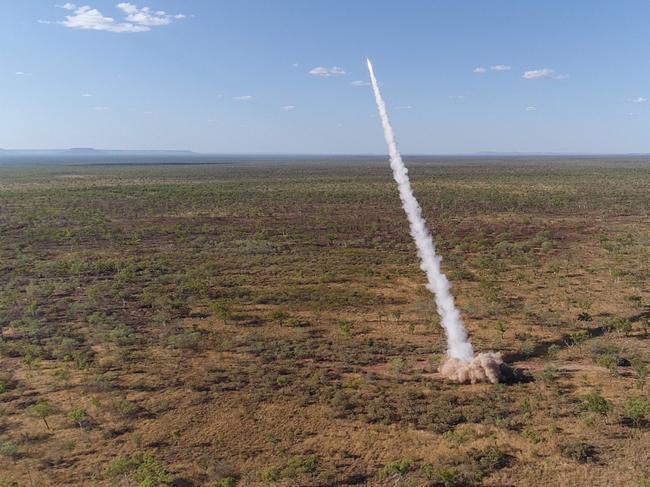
(642, 371)
(645, 324)
(78, 415)
(222, 308)
(397, 315)
(636, 409)
(346, 327)
(42, 409)
(501, 330)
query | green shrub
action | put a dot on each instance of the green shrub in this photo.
(5, 482)
(185, 340)
(123, 408)
(222, 310)
(97, 319)
(4, 383)
(458, 436)
(636, 409)
(576, 338)
(553, 349)
(401, 467)
(226, 482)
(346, 327)
(121, 335)
(468, 469)
(548, 374)
(279, 315)
(596, 403)
(580, 452)
(447, 476)
(406, 483)
(488, 459)
(610, 361)
(142, 468)
(532, 435)
(641, 370)
(82, 359)
(78, 415)
(301, 464)
(398, 364)
(10, 450)
(618, 324)
(296, 323)
(272, 474)
(500, 328)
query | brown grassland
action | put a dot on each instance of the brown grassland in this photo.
(267, 324)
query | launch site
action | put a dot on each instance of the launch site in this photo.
(324, 244)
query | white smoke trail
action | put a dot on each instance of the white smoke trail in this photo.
(458, 346)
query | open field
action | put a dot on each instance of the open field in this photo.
(267, 324)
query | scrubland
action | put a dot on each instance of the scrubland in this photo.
(267, 324)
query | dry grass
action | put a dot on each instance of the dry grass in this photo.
(268, 325)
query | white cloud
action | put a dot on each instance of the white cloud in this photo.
(638, 99)
(500, 67)
(538, 73)
(326, 72)
(319, 71)
(543, 73)
(531, 109)
(288, 108)
(136, 20)
(295, 65)
(22, 73)
(360, 82)
(86, 95)
(145, 16)
(243, 98)
(479, 70)
(92, 19)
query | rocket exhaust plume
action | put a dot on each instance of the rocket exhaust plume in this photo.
(461, 365)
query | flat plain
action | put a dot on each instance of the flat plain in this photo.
(267, 324)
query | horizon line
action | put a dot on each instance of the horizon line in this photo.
(80, 150)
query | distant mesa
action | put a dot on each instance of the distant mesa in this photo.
(83, 150)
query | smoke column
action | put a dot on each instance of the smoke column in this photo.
(458, 346)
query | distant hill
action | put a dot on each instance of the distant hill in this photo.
(555, 154)
(89, 151)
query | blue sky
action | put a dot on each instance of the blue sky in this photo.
(176, 74)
